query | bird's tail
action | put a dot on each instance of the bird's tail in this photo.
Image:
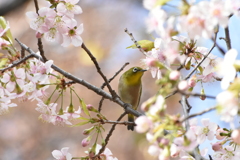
(130, 119)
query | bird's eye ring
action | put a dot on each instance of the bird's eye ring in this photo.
(135, 70)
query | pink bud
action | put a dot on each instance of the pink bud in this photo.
(217, 146)
(174, 75)
(236, 136)
(89, 107)
(183, 85)
(164, 141)
(85, 142)
(38, 35)
(192, 81)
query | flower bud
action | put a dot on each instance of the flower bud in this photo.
(217, 146)
(39, 35)
(88, 131)
(86, 141)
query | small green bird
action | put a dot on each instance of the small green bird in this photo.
(130, 89)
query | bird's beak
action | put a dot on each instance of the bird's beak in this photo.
(143, 70)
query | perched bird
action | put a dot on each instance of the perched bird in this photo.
(146, 45)
(130, 89)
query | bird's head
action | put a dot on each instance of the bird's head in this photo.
(133, 75)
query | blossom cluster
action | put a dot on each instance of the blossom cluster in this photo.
(165, 146)
(65, 155)
(57, 22)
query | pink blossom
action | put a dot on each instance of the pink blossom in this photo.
(143, 124)
(62, 155)
(156, 19)
(226, 68)
(236, 136)
(41, 21)
(74, 115)
(69, 8)
(227, 105)
(187, 143)
(106, 155)
(207, 131)
(13, 79)
(73, 35)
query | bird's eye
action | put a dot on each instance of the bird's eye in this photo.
(135, 70)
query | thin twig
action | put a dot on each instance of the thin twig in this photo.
(171, 94)
(127, 107)
(214, 44)
(219, 48)
(104, 84)
(198, 114)
(134, 41)
(110, 134)
(40, 45)
(196, 95)
(118, 122)
(99, 70)
(16, 63)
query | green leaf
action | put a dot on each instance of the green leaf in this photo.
(84, 107)
(3, 24)
(3, 62)
(80, 124)
(83, 118)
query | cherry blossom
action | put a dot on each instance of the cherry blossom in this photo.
(227, 105)
(143, 124)
(69, 8)
(207, 131)
(62, 155)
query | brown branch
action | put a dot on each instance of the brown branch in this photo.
(227, 38)
(196, 95)
(127, 107)
(104, 84)
(99, 70)
(134, 41)
(219, 47)
(109, 135)
(40, 45)
(118, 122)
(16, 63)
(198, 114)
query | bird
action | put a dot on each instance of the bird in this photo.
(130, 89)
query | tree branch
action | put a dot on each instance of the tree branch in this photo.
(40, 45)
(104, 84)
(135, 42)
(110, 134)
(198, 114)
(113, 93)
(127, 107)
(16, 63)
